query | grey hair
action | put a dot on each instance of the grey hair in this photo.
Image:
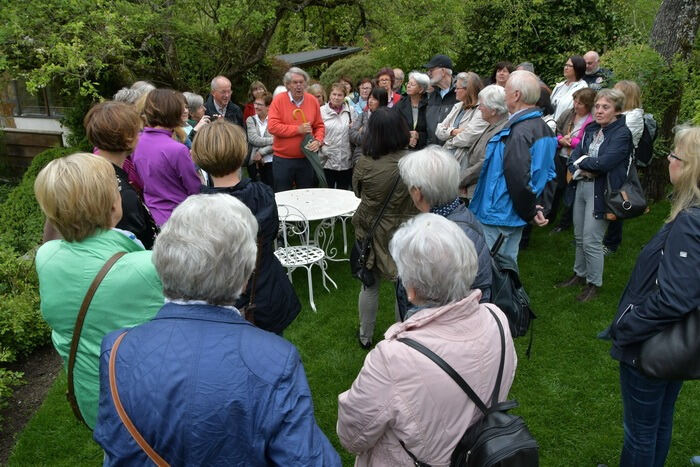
(421, 79)
(279, 90)
(294, 71)
(434, 171)
(615, 96)
(194, 101)
(216, 79)
(527, 66)
(528, 85)
(493, 96)
(142, 87)
(127, 95)
(207, 249)
(435, 257)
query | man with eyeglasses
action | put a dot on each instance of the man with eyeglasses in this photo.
(596, 77)
(219, 103)
(443, 97)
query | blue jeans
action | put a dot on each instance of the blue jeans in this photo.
(511, 242)
(647, 405)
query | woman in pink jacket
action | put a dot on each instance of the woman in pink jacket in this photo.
(402, 396)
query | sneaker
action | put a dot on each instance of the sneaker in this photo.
(573, 280)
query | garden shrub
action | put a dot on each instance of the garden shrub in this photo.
(355, 67)
(21, 220)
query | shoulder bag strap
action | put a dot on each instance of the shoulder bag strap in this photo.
(384, 205)
(250, 308)
(497, 388)
(79, 327)
(133, 431)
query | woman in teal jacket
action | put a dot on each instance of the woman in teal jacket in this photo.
(79, 196)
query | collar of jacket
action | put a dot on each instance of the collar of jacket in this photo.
(200, 313)
(525, 114)
(461, 309)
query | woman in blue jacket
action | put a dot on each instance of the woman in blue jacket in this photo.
(663, 288)
(603, 155)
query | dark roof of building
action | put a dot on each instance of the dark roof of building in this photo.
(312, 57)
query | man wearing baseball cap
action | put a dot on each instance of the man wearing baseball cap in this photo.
(443, 97)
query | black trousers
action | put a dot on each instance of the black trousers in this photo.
(292, 173)
(261, 173)
(340, 179)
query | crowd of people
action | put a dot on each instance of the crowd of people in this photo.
(166, 247)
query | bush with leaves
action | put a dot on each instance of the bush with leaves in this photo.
(355, 67)
(21, 220)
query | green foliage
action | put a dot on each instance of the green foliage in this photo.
(659, 82)
(355, 67)
(690, 104)
(8, 380)
(21, 220)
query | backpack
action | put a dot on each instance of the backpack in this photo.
(644, 152)
(508, 294)
(499, 438)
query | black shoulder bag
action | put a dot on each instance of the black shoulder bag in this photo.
(361, 249)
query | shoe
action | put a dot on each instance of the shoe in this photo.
(559, 229)
(573, 280)
(607, 251)
(605, 334)
(364, 346)
(588, 294)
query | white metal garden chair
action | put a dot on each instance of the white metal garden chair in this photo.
(297, 250)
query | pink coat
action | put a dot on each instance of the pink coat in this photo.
(401, 395)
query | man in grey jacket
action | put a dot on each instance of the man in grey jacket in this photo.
(443, 97)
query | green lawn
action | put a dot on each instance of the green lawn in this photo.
(568, 391)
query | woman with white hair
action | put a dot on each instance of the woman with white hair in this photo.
(432, 178)
(203, 385)
(413, 109)
(492, 105)
(403, 401)
(463, 125)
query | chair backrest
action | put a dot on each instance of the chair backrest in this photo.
(294, 225)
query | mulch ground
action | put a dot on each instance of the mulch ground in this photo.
(40, 370)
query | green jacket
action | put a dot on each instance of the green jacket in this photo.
(371, 180)
(130, 294)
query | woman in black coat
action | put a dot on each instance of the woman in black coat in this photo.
(220, 149)
(413, 108)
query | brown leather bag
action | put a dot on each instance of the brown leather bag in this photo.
(70, 394)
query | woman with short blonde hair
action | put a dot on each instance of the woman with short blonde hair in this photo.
(79, 196)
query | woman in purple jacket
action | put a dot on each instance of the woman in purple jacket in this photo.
(168, 173)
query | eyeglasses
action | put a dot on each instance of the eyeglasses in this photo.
(672, 155)
(457, 88)
(258, 104)
(568, 65)
(384, 80)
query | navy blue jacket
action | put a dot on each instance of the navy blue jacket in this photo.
(613, 158)
(663, 288)
(276, 302)
(404, 108)
(474, 230)
(205, 387)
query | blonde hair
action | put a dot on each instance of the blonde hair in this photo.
(630, 89)
(686, 190)
(219, 148)
(77, 193)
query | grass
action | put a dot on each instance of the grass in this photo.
(568, 391)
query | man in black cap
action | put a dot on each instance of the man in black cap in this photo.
(443, 97)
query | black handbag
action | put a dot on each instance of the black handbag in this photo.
(674, 352)
(362, 247)
(628, 201)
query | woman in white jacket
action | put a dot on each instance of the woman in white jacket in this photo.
(260, 141)
(336, 153)
(464, 124)
(563, 95)
(402, 396)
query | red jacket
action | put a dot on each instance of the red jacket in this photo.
(283, 126)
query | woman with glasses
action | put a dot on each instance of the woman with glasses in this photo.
(464, 124)
(363, 90)
(563, 95)
(385, 79)
(661, 291)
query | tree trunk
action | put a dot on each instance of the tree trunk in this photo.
(674, 30)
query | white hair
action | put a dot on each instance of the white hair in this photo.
(294, 71)
(142, 87)
(194, 101)
(279, 90)
(215, 81)
(528, 85)
(421, 79)
(434, 171)
(435, 257)
(127, 95)
(493, 97)
(207, 249)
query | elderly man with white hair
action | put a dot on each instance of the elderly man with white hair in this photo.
(597, 78)
(432, 178)
(201, 384)
(402, 401)
(291, 117)
(519, 162)
(219, 104)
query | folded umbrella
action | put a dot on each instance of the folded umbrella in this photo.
(312, 156)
